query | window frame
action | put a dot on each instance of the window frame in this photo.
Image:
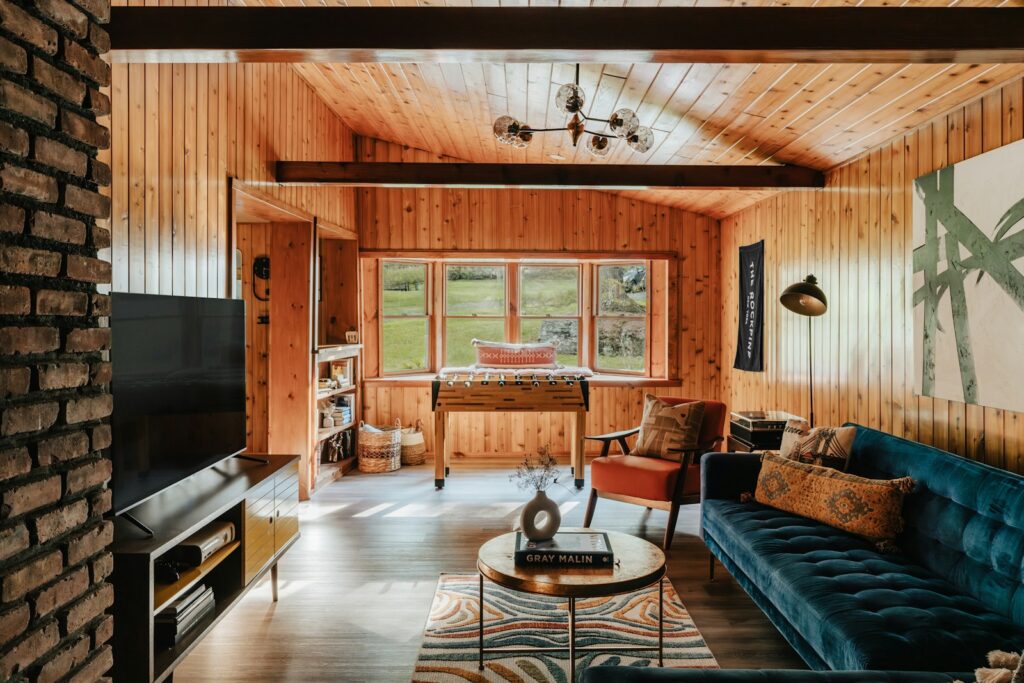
(645, 318)
(580, 305)
(443, 265)
(428, 315)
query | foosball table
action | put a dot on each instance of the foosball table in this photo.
(482, 391)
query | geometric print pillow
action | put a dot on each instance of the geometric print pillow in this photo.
(666, 426)
(872, 508)
(823, 446)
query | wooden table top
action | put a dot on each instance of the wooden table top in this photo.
(638, 563)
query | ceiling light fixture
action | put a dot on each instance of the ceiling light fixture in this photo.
(570, 99)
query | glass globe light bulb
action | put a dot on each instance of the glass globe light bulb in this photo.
(642, 140)
(599, 146)
(523, 138)
(506, 128)
(570, 98)
(624, 123)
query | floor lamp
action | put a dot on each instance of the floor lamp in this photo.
(807, 299)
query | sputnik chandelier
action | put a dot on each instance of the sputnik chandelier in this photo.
(570, 99)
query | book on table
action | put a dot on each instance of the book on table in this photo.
(568, 549)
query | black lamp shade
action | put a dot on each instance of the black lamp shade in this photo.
(805, 298)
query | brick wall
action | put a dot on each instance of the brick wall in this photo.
(54, 400)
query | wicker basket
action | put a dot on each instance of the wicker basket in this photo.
(380, 449)
(414, 448)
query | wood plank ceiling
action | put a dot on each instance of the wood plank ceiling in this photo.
(809, 114)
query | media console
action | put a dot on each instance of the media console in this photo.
(259, 498)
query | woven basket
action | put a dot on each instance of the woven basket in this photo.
(414, 448)
(380, 449)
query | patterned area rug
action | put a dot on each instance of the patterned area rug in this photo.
(449, 652)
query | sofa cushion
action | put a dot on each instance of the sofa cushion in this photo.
(632, 674)
(641, 477)
(858, 608)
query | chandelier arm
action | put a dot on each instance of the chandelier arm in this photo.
(591, 118)
(545, 130)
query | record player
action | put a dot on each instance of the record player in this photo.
(759, 429)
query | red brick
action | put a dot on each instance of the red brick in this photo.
(15, 98)
(102, 567)
(90, 543)
(12, 57)
(97, 102)
(101, 373)
(29, 497)
(84, 130)
(31, 575)
(13, 540)
(100, 303)
(13, 140)
(86, 201)
(28, 340)
(90, 607)
(14, 381)
(24, 261)
(99, 503)
(92, 66)
(28, 418)
(62, 448)
(89, 475)
(88, 339)
(53, 226)
(55, 523)
(62, 375)
(15, 300)
(64, 661)
(61, 302)
(101, 437)
(97, 666)
(61, 157)
(12, 218)
(61, 83)
(70, 587)
(88, 269)
(14, 462)
(13, 623)
(89, 408)
(28, 28)
(99, 38)
(66, 15)
(34, 646)
(103, 632)
(28, 183)
(100, 174)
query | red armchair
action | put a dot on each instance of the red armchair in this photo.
(654, 482)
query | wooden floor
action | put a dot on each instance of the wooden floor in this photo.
(356, 588)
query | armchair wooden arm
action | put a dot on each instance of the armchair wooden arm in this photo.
(617, 437)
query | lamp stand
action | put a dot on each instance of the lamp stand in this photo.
(810, 365)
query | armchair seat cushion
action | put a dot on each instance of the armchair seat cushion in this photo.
(857, 608)
(641, 477)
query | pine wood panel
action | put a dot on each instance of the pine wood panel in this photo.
(855, 235)
(178, 133)
(253, 239)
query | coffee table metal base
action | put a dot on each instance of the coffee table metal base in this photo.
(572, 649)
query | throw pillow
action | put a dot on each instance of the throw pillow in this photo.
(872, 508)
(665, 426)
(824, 446)
(502, 355)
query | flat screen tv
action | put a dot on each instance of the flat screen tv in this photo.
(179, 390)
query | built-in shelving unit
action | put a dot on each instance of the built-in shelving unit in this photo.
(323, 472)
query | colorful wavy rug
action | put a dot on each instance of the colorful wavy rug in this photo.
(449, 652)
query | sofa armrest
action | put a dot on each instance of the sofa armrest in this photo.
(727, 475)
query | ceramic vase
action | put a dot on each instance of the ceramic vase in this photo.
(548, 524)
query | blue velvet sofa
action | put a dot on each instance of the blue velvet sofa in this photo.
(626, 674)
(955, 592)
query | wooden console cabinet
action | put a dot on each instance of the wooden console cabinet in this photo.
(262, 502)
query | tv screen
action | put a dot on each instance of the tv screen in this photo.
(179, 389)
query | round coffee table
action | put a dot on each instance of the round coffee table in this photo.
(638, 564)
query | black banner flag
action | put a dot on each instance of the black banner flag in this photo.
(750, 336)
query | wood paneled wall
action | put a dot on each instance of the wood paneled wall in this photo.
(855, 236)
(543, 221)
(178, 132)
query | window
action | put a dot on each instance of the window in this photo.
(474, 308)
(620, 318)
(405, 317)
(549, 308)
(596, 312)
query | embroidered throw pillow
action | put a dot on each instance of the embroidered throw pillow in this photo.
(824, 446)
(871, 508)
(665, 426)
(501, 355)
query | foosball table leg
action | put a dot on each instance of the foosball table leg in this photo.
(440, 446)
(578, 446)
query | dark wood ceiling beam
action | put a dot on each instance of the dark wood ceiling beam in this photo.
(550, 176)
(545, 34)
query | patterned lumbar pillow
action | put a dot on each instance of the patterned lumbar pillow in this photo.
(665, 426)
(490, 354)
(824, 446)
(872, 508)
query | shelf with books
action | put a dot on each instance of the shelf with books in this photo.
(164, 593)
(331, 393)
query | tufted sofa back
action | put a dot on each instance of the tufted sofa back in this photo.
(965, 520)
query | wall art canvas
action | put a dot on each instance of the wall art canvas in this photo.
(968, 280)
